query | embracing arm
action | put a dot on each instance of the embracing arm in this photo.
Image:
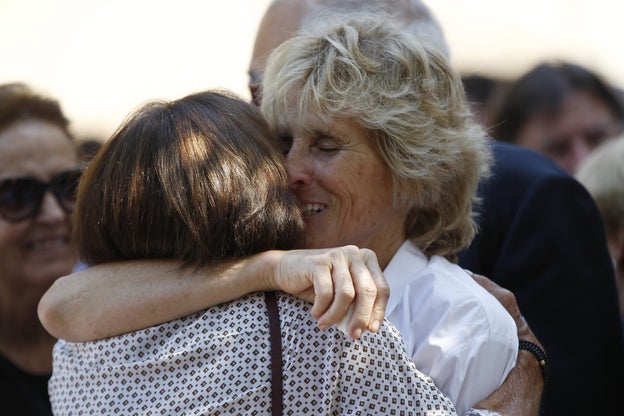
(111, 299)
(521, 392)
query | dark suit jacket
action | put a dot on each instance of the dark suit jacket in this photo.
(541, 236)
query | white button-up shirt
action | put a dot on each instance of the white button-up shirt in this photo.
(455, 331)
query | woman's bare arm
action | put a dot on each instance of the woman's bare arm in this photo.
(111, 299)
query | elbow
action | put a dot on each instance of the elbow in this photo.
(50, 314)
(55, 314)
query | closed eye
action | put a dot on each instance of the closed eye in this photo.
(328, 148)
(326, 142)
(556, 147)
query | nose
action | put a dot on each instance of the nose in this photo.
(299, 166)
(51, 211)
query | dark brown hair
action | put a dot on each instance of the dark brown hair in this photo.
(18, 102)
(198, 179)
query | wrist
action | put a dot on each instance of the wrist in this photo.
(264, 267)
(538, 353)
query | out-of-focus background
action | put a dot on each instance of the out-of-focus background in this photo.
(101, 59)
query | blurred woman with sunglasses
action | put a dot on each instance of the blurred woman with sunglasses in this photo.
(38, 177)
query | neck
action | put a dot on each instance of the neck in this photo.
(23, 340)
(386, 253)
(34, 357)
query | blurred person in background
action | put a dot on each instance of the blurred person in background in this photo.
(87, 148)
(485, 94)
(38, 176)
(561, 110)
(602, 173)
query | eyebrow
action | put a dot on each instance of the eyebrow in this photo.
(319, 132)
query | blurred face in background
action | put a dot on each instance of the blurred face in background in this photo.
(35, 251)
(582, 123)
(278, 25)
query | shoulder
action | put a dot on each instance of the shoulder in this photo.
(522, 167)
(513, 158)
(243, 315)
(444, 302)
(468, 302)
(523, 180)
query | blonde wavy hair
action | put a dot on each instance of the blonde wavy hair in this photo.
(362, 67)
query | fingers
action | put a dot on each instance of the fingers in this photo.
(358, 316)
(504, 296)
(342, 291)
(323, 294)
(508, 300)
(360, 292)
(382, 292)
(340, 282)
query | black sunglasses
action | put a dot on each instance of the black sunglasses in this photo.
(21, 198)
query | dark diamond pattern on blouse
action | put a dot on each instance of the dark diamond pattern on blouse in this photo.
(217, 362)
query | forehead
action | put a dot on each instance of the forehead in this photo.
(586, 103)
(580, 110)
(313, 126)
(35, 148)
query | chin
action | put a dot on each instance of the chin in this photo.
(47, 273)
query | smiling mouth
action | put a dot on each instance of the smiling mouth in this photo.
(48, 244)
(311, 209)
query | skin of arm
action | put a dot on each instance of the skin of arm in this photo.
(111, 299)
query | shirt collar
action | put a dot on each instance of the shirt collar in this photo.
(406, 262)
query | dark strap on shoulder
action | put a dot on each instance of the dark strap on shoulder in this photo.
(276, 353)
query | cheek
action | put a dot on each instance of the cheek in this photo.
(11, 237)
(373, 188)
(530, 134)
(11, 234)
(353, 184)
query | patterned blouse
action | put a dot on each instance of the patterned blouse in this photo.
(218, 362)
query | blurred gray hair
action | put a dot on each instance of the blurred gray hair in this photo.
(413, 16)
